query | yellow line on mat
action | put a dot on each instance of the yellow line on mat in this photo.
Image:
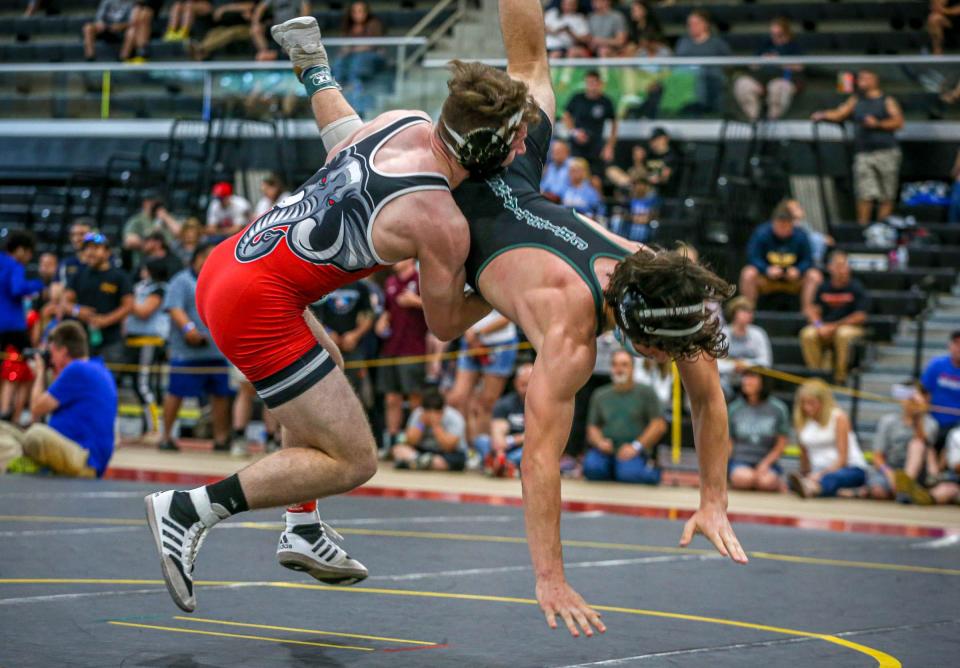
(238, 635)
(519, 540)
(358, 636)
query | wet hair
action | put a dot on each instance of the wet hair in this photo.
(655, 279)
(20, 239)
(482, 113)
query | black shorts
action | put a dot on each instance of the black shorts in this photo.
(155, 5)
(456, 460)
(401, 379)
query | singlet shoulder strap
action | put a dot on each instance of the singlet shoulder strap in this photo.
(605, 247)
(372, 143)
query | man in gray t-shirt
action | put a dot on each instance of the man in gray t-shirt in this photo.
(280, 11)
(900, 445)
(756, 428)
(608, 29)
(700, 42)
(197, 367)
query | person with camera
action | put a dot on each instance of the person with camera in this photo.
(81, 404)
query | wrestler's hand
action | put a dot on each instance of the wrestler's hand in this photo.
(556, 597)
(711, 521)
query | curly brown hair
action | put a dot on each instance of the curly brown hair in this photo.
(480, 96)
(667, 278)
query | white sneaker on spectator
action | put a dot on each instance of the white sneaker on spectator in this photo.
(239, 448)
(307, 545)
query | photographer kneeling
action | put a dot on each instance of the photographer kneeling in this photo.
(81, 403)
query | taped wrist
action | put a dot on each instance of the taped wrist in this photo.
(318, 78)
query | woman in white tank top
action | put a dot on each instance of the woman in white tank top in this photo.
(831, 457)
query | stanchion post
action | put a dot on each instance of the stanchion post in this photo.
(677, 424)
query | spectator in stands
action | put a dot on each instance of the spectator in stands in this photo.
(71, 264)
(939, 21)
(272, 190)
(279, 11)
(749, 344)
(953, 214)
(110, 24)
(657, 375)
(187, 240)
(836, 318)
(481, 379)
(152, 217)
(502, 450)
(948, 489)
(941, 379)
(189, 346)
(780, 260)
(227, 213)
(900, 449)
(876, 159)
(14, 287)
(155, 248)
(820, 243)
(101, 296)
(608, 29)
(624, 426)
(182, 15)
(556, 174)
(347, 316)
(357, 64)
(404, 331)
(830, 455)
(147, 328)
(643, 29)
(435, 437)
(231, 23)
(141, 27)
(759, 428)
(81, 403)
(242, 414)
(700, 42)
(581, 194)
(772, 85)
(584, 118)
(567, 31)
(662, 162)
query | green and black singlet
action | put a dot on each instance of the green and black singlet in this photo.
(507, 211)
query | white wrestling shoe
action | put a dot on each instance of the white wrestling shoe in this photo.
(309, 548)
(300, 40)
(179, 529)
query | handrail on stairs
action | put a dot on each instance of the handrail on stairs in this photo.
(408, 60)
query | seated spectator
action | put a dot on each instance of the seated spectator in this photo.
(749, 345)
(948, 489)
(152, 217)
(584, 119)
(567, 31)
(624, 426)
(608, 29)
(662, 162)
(820, 243)
(141, 27)
(81, 403)
(941, 380)
(876, 154)
(502, 449)
(700, 42)
(556, 174)
(759, 427)
(227, 213)
(900, 448)
(481, 379)
(183, 13)
(272, 190)
(354, 65)
(101, 297)
(71, 264)
(436, 437)
(110, 24)
(147, 329)
(939, 21)
(836, 318)
(155, 248)
(231, 23)
(347, 316)
(279, 12)
(187, 240)
(190, 346)
(953, 214)
(774, 86)
(780, 260)
(657, 375)
(643, 29)
(581, 194)
(830, 455)
(403, 329)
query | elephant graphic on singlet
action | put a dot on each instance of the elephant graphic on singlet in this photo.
(324, 222)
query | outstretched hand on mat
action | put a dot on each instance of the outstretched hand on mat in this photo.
(711, 521)
(556, 597)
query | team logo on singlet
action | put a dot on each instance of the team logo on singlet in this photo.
(324, 222)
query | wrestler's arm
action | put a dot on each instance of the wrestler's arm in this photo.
(524, 38)
(710, 432)
(564, 363)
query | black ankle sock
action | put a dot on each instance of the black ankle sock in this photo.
(228, 494)
(182, 510)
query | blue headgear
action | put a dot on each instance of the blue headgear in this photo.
(483, 150)
(634, 312)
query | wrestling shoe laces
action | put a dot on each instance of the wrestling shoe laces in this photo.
(311, 548)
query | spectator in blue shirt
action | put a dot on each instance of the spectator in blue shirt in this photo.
(81, 403)
(941, 379)
(14, 286)
(581, 195)
(556, 174)
(780, 260)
